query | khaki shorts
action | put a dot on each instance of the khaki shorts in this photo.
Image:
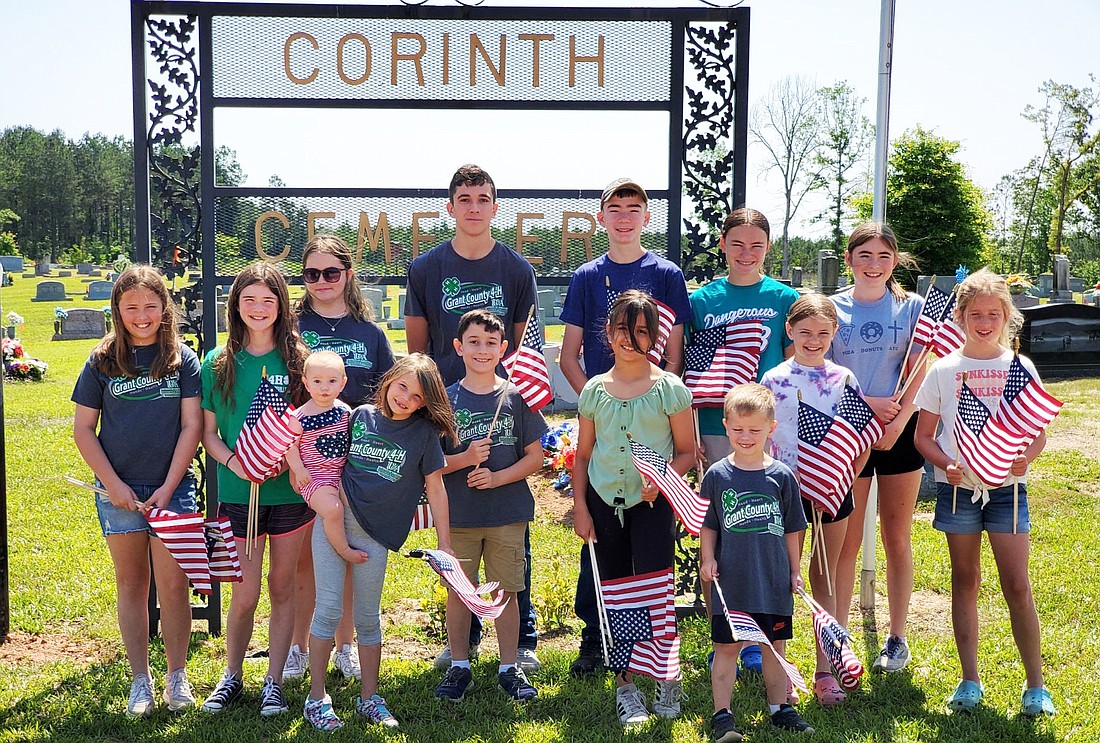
(502, 549)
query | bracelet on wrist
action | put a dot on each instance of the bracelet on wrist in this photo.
(230, 459)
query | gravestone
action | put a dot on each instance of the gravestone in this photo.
(50, 291)
(549, 307)
(99, 291)
(13, 263)
(81, 324)
(1024, 301)
(96, 273)
(828, 271)
(565, 397)
(1062, 339)
(945, 284)
(64, 274)
(796, 277)
(1046, 284)
(1061, 292)
(373, 295)
(398, 323)
(42, 267)
(196, 316)
(1077, 284)
(84, 269)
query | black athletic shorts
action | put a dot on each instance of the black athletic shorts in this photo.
(842, 513)
(275, 521)
(774, 627)
(902, 458)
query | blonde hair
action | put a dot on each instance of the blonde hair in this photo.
(114, 355)
(988, 284)
(325, 360)
(358, 308)
(437, 408)
(749, 399)
(812, 305)
(880, 230)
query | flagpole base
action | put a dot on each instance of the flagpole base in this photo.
(866, 590)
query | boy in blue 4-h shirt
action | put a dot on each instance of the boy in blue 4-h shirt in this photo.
(499, 445)
(751, 544)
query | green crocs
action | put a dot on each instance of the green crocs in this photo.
(967, 695)
(1037, 702)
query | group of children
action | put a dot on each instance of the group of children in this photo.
(375, 434)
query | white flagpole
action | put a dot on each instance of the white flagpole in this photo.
(601, 608)
(870, 537)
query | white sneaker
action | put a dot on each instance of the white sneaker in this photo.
(631, 706)
(297, 663)
(177, 692)
(527, 660)
(894, 656)
(141, 701)
(666, 702)
(346, 660)
(443, 660)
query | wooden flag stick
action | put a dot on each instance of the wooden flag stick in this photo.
(909, 350)
(955, 489)
(698, 443)
(601, 608)
(96, 489)
(1015, 503)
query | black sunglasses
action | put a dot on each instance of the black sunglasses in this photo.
(313, 275)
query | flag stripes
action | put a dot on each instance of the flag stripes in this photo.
(422, 516)
(527, 369)
(641, 616)
(720, 358)
(834, 642)
(689, 506)
(182, 535)
(745, 628)
(1025, 405)
(447, 567)
(266, 434)
(986, 447)
(225, 565)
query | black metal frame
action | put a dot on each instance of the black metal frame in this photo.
(175, 222)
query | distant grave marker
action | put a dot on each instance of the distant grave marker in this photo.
(50, 291)
(99, 291)
(13, 263)
(82, 323)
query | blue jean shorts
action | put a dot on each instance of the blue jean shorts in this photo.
(115, 520)
(971, 518)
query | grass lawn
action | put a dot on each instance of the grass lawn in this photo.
(63, 675)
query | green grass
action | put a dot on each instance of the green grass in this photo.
(66, 677)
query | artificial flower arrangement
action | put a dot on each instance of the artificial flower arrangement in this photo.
(17, 365)
(559, 448)
(1018, 283)
(14, 319)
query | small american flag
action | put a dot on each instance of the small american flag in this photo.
(688, 505)
(527, 368)
(266, 434)
(182, 536)
(666, 319)
(949, 337)
(225, 566)
(451, 572)
(745, 628)
(936, 304)
(642, 618)
(828, 447)
(422, 516)
(718, 359)
(1025, 405)
(834, 642)
(985, 446)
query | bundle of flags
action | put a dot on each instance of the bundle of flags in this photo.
(989, 443)
(720, 358)
(666, 319)
(745, 629)
(689, 506)
(225, 565)
(641, 617)
(835, 643)
(936, 329)
(266, 435)
(527, 368)
(447, 567)
(829, 445)
(204, 549)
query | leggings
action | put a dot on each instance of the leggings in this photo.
(367, 578)
(643, 543)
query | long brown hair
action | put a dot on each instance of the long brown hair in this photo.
(626, 309)
(288, 342)
(332, 245)
(114, 354)
(746, 215)
(871, 230)
(437, 408)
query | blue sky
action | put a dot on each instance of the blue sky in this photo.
(964, 69)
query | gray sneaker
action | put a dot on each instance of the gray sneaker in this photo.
(894, 657)
(177, 692)
(141, 701)
(666, 702)
(346, 660)
(630, 704)
(297, 663)
(527, 660)
(443, 660)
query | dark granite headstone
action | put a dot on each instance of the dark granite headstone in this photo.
(828, 271)
(13, 263)
(1063, 340)
(50, 291)
(99, 291)
(82, 323)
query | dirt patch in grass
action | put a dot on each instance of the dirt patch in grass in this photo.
(25, 649)
(551, 504)
(1083, 435)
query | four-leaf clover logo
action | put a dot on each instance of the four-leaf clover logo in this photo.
(358, 430)
(311, 338)
(463, 417)
(451, 286)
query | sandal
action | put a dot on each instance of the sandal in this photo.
(1037, 702)
(967, 695)
(827, 690)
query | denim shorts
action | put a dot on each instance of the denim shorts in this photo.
(971, 518)
(115, 520)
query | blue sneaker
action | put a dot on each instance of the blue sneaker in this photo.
(752, 661)
(455, 684)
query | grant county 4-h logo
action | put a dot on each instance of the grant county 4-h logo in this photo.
(372, 453)
(145, 387)
(751, 512)
(460, 297)
(353, 352)
(472, 426)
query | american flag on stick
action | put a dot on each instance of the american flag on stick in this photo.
(451, 572)
(527, 368)
(422, 516)
(1025, 405)
(266, 435)
(225, 565)
(985, 445)
(745, 628)
(828, 447)
(666, 319)
(937, 304)
(641, 616)
(718, 359)
(835, 643)
(688, 505)
(182, 535)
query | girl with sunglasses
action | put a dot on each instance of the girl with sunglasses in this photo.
(333, 316)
